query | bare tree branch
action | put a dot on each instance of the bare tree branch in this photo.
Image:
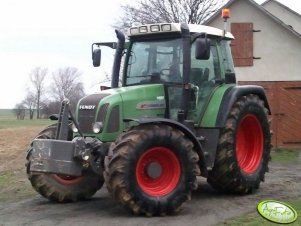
(20, 111)
(169, 11)
(37, 77)
(30, 102)
(67, 84)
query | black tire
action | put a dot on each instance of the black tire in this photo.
(244, 148)
(128, 174)
(60, 188)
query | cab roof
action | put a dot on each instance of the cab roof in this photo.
(149, 29)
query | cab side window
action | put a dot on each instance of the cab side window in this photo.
(204, 70)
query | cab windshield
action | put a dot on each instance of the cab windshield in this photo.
(155, 62)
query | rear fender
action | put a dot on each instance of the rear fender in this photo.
(182, 128)
(231, 96)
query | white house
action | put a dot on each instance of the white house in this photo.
(267, 52)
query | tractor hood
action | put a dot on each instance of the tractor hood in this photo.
(110, 108)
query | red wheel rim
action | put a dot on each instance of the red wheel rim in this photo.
(67, 180)
(249, 144)
(158, 171)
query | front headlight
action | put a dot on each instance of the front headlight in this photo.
(97, 127)
(74, 129)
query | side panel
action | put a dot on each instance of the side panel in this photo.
(209, 142)
(210, 115)
(132, 102)
(142, 101)
(207, 130)
(216, 114)
(112, 106)
(113, 125)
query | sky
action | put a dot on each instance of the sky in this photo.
(55, 34)
(52, 34)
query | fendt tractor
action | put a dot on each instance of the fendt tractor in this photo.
(177, 115)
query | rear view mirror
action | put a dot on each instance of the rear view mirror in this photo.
(96, 57)
(202, 48)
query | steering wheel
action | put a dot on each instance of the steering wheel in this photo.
(165, 72)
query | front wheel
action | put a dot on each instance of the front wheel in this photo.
(152, 169)
(244, 148)
(61, 188)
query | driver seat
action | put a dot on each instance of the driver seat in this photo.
(175, 74)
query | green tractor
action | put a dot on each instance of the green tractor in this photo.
(177, 115)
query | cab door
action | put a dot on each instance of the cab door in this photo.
(205, 77)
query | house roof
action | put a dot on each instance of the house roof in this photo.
(260, 8)
(283, 6)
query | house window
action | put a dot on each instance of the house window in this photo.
(242, 46)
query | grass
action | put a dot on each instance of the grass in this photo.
(13, 123)
(4, 179)
(254, 219)
(13, 182)
(284, 155)
(6, 113)
(8, 120)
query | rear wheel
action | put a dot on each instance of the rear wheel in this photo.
(244, 148)
(62, 188)
(152, 169)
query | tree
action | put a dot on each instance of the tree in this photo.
(50, 107)
(20, 111)
(37, 77)
(168, 11)
(67, 84)
(29, 102)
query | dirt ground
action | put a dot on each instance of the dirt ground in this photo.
(20, 205)
(14, 142)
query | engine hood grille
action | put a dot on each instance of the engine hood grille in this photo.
(87, 108)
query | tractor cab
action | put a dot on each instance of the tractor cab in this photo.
(190, 61)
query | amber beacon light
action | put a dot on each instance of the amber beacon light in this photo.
(226, 16)
(225, 13)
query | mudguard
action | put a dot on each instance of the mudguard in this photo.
(231, 96)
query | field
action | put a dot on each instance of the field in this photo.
(8, 120)
(16, 194)
(15, 137)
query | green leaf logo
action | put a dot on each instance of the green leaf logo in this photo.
(277, 212)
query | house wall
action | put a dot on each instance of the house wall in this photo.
(285, 103)
(278, 70)
(284, 14)
(278, 48)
